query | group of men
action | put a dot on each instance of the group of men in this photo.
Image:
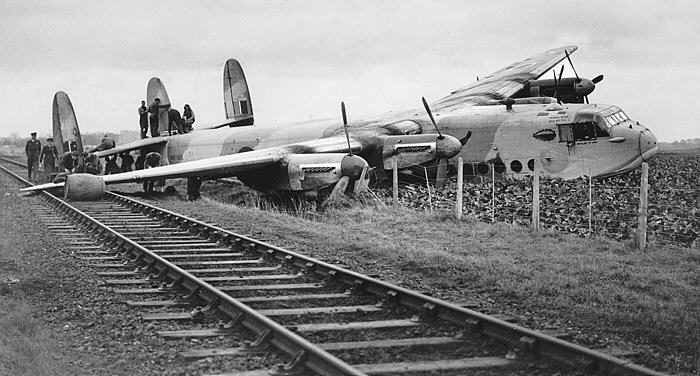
(176, 123)
(112, 167)
(47, 156)
(54, 167)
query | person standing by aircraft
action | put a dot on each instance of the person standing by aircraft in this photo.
(33, 150)
(152, 160)
(49, 156)
(188, 118)
(127, 161)
(154, 111)
(143, 119)
(111, 166)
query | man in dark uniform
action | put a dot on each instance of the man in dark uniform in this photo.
(154, 114)
(143, 119)
(33, 150)
(106, 144)
(174, 121)
(49, 157)
(111, 166)
(127, 161)
(152, 160)
(67, 165)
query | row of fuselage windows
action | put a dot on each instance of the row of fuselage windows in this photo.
(483, 168)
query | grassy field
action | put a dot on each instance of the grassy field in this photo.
(600, 291)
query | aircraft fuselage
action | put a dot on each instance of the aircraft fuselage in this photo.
(567, 141)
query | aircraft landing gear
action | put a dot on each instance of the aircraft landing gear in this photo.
(193, 185)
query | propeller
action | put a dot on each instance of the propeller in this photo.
(345, 126)
(588, 85)
(442, 162)
(597, 79)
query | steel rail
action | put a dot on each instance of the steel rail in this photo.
(528, 342)
(301, 351)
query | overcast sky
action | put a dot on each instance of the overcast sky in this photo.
(301, 58)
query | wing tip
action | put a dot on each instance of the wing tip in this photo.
(42, 187)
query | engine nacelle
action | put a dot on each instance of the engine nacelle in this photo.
(305, 172)
(83, 187)
(416, 149)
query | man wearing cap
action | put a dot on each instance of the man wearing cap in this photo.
(143, 119)
(48, 156)
(154, 110)
(32, 149)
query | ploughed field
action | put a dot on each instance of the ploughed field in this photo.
(674, 201)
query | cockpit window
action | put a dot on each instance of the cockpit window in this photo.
(616, 118)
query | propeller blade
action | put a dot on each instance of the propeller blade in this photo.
(556, 87)
(339, 188)
(345, 126)
(466, 138)
(430, 114)
(572, 65)
(561, 72)
(597, 79)
(441, 173)
(586, 97)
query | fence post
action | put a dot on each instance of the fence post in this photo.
(427, 185)
(493, 194)
(395, 169)
(536, 196)
(643, 206)
(460, 184)
(590, 203)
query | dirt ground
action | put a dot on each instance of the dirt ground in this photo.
(57, 317)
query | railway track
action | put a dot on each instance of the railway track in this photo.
(297, 315)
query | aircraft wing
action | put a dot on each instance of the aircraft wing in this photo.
(226, 165)
(507, 81)
(134, 145)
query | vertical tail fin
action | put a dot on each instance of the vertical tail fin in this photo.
(156, 89)
(237, 102)
(66, 133)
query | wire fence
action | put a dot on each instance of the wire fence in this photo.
(583, 206)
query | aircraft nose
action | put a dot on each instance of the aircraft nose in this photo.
(647, 145)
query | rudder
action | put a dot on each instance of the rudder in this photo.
(65, 125)
(237, 102)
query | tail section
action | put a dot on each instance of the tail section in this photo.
(156, 89)
(66, 133)
(236, 95)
